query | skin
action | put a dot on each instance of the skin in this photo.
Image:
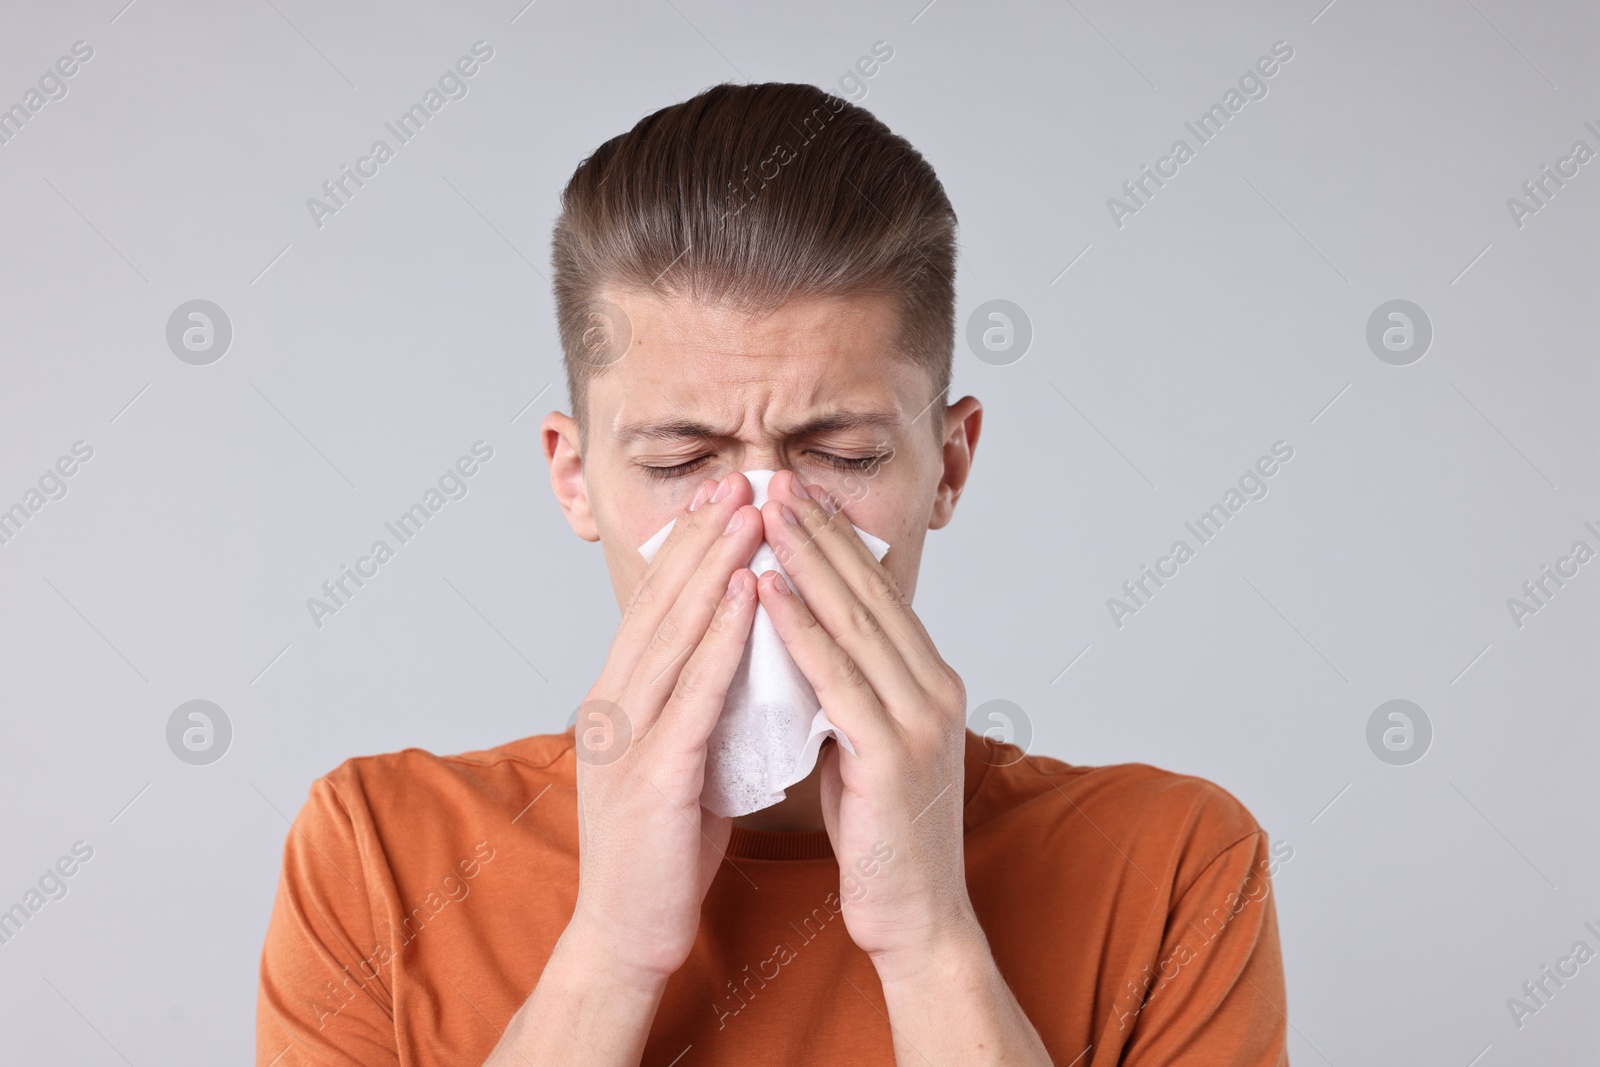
(753, 387)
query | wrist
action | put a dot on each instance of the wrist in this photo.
(584, 1008)
(955, 958)
(582, 950)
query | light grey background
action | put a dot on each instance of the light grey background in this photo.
(1229, 313)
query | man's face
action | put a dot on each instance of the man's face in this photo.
(813, 387)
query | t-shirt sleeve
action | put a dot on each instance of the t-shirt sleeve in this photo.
(1215, 995)
(323, 998)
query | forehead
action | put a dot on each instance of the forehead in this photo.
(689, 357)
(802, 327)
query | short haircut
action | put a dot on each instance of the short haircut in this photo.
(753, 195)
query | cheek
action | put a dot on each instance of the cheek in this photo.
(878, 507)
(654, 503)
(632, 517)
(626, 532)
(902, 523)
(630, 509)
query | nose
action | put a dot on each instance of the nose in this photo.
(763, 458)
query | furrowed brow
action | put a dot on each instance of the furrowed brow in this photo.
(837, 421)
(670, 430)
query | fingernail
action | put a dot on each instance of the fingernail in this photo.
(829, 504)
(790, 517)
(799, 490)
(724, 487)
(735, 587)
(735, 522)
(780, 584)
(701, 494)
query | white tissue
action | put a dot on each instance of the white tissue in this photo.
(772, 725)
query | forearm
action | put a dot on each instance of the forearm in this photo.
(950, 1005)
(581, 1012)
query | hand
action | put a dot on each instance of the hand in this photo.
(647, 850)
(893, 810)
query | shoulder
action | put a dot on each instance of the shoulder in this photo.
(416, 786)
(1157, 818)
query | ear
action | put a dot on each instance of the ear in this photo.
(963, 421)
(559, 435)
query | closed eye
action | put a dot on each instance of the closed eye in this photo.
(687, 468)
(678, 471)
(848, 463)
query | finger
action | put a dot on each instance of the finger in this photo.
(701, 686)
(688, 537)
(822, 552)
(842, 688)
(696, 529)
(684, 626)
(860, 615)
(856, 631)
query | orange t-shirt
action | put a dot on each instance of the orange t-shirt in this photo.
(1128, 908)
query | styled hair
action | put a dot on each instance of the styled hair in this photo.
(752, 195)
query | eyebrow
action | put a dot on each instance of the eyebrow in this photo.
(682, 429)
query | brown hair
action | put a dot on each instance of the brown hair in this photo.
(754, 194)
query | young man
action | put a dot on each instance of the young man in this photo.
(761, 278)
